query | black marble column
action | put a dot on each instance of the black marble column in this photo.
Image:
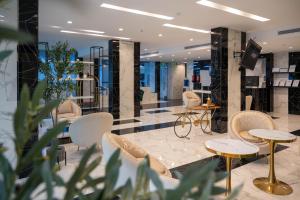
(219, 77)
(28, 52)
(137, 103)
(294, 92)
(157, 79)
(28, 62)
(114, 78)
(243, 74)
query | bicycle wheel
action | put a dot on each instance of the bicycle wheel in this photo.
(205, 123)
(182, 126)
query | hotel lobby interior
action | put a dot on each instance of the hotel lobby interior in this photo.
(178, 87)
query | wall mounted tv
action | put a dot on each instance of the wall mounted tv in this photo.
(250, 55)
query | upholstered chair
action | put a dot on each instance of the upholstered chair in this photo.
(131, 156)
(248, 102)
(89, 129)
(66, 111)
(190, 99)
(244, 121)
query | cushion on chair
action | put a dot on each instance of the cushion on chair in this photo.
(157, 166)
(129, 147)
(246, 136)
(65, 107)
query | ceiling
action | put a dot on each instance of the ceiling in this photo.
(87, 14)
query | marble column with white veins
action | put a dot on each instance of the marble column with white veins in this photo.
(234, 75)
(126, 77)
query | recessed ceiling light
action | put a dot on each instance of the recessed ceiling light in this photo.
(160, 35)
(95, 35)
(139, 12)
(199, 57)
(121, 29)
(69, 22)
(186, 28)
(189, 52)
(208, 50)
(192, 39)
(291, 47)
(231, 10)
(145, 49)
(1, 15)
(92, 31)
(57, 27)
(265, 43)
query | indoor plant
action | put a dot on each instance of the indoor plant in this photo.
(196, 184)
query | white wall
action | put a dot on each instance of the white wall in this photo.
(8, 82)
(176, 77)
(281, 60)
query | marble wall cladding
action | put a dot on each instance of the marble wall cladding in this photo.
(234, 75)
(137, 103)
(114, 86)
(280, 97)
(8, 82)
(294, 93)
(157, 79)
(126, 77)
(176, 73)
(190, 72)
(219, 77)
(28, 52)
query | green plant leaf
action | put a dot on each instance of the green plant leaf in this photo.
(8, 33)
(4, 54)
(157, 182)
(38, 94)
(47, 177)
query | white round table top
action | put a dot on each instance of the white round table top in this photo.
(273, 135)
(231, 148)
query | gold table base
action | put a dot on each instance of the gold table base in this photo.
(270, 184)
(278, 188)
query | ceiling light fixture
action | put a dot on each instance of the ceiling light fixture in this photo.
(291, 47)
(69, 22)
(145, 49)
(160, 35)
(265, 43)
(139, 12)
(121, 29)
(231, 10)
(1, 15)
(186, 28)
(189, 52)
(95, 35)
(92, 31)
(57, 27)
(192, 39)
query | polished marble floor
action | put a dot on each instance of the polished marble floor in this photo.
(154, 132)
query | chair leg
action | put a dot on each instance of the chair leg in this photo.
(65, 158)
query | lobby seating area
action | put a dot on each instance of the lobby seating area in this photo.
(207, 91)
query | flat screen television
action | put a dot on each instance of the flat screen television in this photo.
(252, 81)
(250, 55)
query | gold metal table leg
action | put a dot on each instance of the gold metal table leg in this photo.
(228, 180)
(270, 184)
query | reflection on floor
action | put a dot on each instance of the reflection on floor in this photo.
(154, 132)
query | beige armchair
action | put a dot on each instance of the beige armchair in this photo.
(131, 156)
(67, 111)
(244, 121)
(190, 99)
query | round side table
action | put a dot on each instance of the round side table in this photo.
(270, 184)
(229, 149)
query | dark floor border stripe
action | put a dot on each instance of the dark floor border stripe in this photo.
(296, 132)
(143, 128)
(222, 162)
(125, 121)
(170, 103)
(157, 111)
